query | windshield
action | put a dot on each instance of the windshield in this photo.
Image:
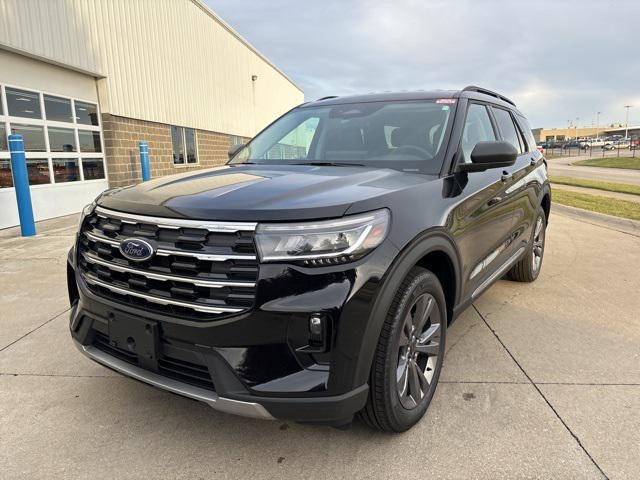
(408, 136)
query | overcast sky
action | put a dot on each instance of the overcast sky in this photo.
(557, 60)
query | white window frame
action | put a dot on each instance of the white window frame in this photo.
(183, 137)
(78, 155)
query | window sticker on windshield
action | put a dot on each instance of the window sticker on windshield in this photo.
(449, 101)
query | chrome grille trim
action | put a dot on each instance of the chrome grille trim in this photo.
(182, 253)
(161, 301)
(159, 276)
(174, 223)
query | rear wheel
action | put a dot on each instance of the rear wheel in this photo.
(528, 267)
(409, 354)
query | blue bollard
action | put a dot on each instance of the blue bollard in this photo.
(21, 184)
(144, 161)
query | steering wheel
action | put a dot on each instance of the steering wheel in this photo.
(415, 150)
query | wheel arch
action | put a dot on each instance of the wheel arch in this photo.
(433, 250)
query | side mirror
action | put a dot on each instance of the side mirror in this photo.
(235, 149)
(486, 155)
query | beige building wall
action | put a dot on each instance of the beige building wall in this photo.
(541, 134)
(168, 61)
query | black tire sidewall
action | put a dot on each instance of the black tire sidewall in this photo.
(423, 282)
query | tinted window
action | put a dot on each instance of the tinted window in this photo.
(86, 113)
(89, 141)
(507, 128)
(477, 128)
(65, 170)
(22, 103)
(61, 139)
(528, 134)
(58, 109)
(190, 142)
(178, 145)
(32, 135)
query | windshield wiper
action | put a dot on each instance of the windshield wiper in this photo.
(243, 163)
(331, 164)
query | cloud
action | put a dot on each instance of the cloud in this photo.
(557, 60)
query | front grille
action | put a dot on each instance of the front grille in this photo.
(200, 270)
(171, 367)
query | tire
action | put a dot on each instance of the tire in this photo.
(406, 361)
(528, 268)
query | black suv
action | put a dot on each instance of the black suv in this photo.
(314, 276)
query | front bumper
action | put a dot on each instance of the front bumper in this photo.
(257, 366)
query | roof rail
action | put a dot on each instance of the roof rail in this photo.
(327, 97)
(473, 88)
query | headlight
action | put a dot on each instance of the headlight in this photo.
(87, 210)
(324, 242)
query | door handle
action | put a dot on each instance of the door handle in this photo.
(506, 176)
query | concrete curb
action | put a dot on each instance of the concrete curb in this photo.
(624, 225)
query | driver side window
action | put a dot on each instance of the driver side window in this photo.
(477, 128)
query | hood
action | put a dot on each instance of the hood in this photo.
(261, 192)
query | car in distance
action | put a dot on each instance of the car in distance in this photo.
(314, 276)
(575, 144)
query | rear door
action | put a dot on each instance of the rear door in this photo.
(521, 196)
(483, 222)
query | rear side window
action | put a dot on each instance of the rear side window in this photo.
(528, 134)
(507, 127)
(477, 128)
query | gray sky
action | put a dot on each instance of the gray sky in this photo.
(557, 60)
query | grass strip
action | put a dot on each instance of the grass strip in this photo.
(598, 185)
(597, 203)
(630, 163)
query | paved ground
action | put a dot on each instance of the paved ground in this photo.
(561, 166)
(540, 381)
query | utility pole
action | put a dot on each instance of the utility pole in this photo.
(577, 124)
(626, 123)
(598, 125)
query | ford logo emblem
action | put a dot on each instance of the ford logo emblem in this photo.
(136, 249)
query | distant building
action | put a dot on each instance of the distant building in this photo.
(85, 81)
(562, 134)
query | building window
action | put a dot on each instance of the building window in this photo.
(3, 138)
(93, 168)
(58, 109)
(62, 137)
(6, 180)
(22, 103)
(38, 170)
(184, 142)
(62, 140)
(87, 113)
(33, 136)
(89, 141)
(65, 170)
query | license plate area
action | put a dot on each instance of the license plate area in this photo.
(138, 336)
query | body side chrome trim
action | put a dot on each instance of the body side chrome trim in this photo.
(174, 223)
(161, 301)
(180, 253)
(159, 276)
(228, 405)
(505, 266)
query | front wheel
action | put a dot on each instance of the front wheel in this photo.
(528, 267)
(409, 355)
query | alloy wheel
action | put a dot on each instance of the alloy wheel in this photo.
(418, 352)
(538, 245)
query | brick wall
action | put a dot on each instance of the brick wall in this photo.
(121, 137)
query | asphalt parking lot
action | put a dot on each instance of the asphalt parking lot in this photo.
(540, 381)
